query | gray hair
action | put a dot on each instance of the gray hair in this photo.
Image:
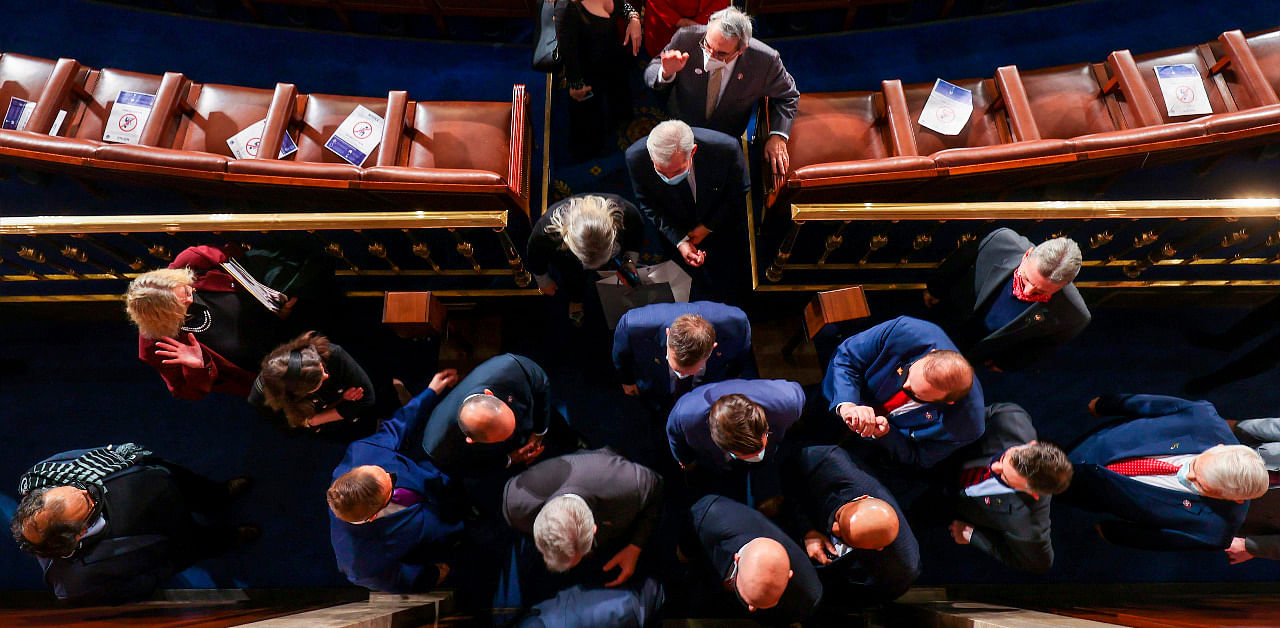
(1235, 472)
(733, 24)
(588, 226)
(564, 531)
(667, 139)
(1058, 260)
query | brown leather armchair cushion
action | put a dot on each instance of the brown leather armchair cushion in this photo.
(836, 127)
(1266, 49)
(163, 157)
(42, 143)
(459, 135)
(1190, 56)
(221, 111)
(456, 176)
(284, 168)
(321, 118)
(861, 167)
(103, 91)
(1240, 120)
(1136, 137)
(983, 128)
(22, 77)
(1066, 101)
(1001, 152)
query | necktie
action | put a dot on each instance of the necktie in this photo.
(713, 90)
(1143, 466)
(406, 497)
(896, 401)
(976, 475)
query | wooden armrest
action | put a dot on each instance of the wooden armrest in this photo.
(1125, 71)
(53, 94)
(898, 116)
(283, 103)
(1242, 60)
(1022, 119)
(393, 127)
(166, 105)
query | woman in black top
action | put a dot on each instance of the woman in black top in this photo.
(312, 382)
(598, 69)
(579, 234)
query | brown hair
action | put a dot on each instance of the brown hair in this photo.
(690, 338)
(289, 392)
(949, 371)
(1044, 465)
(738, 424)
(355, 495)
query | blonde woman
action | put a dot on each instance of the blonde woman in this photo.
(579, 234)
(196, 329)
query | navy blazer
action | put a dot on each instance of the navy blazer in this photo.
(867, 369)
(640, 345)
(818, 480)
(689, 431)
(514, 379)
(394, 552)
(581, 606)
(723, 526)
(1151, 517)
(721, 176)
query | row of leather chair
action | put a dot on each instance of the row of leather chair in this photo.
(1032, 127)
(433, 155)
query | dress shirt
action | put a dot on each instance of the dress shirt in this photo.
(1168, 481)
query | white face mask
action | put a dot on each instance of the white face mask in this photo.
(710, 64)
(756, 458)
(680, 375)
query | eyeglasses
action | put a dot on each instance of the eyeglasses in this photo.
(88, 521)
(716, 54)
(732, 583)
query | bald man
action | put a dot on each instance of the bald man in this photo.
(753, 559)
(851, 526)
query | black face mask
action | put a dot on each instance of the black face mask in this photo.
(906, 372)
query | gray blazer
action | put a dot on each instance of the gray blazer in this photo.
(624, 497)
(1261, 529)
(758, 73)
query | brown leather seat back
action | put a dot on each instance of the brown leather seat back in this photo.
(1191, 56)
(983, 129)
(219, 112)
(1067, 101)
(321, 118)
(838, 126)
(459, 135)
(108, 85)
(22, 77)
(1266, 49)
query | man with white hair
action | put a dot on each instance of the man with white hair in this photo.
(717, 73)
(593, 506)
(692, 183)
(1007, 303)
(1168, 469)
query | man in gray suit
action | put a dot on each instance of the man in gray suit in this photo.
(582, 502)
(728, 74)
(1259, 537)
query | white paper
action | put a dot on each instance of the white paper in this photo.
(16, 116)
(57, 122)
(948, 108)
(128, 116)
(244, 145)
(357, 136)
(1183, 90)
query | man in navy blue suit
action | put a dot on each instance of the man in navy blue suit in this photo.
(389, 521)
(1169, 469)
(732, 429)
(693, 184)
(903, 386)
(664, 350)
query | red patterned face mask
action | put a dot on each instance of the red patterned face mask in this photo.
(1020, 295)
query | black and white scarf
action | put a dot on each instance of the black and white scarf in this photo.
(87, 470)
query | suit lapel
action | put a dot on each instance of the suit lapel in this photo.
(994, 279)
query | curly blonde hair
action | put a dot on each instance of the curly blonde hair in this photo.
(152, 305)
(588, 226)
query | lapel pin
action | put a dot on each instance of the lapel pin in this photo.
(928, 416)
(739, 76)
(657, 361)
(1175, 445)
(1186, 503)
(697, 70)
(986, 500)
(510, 399)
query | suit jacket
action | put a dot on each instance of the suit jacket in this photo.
(818, 480)
(581, 606)
(396, 552)
(689, 430)
(514, 379)
(1151, 517)
(723, 526)
(969, 279)
(640, 345)
(758, 73)
(720, 175)
(1012, 528)
(867, 370)
(624, 497)
(546, 250)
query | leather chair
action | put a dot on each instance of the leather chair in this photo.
(1237, 70)
(47, 83)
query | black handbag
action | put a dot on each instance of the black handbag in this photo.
(546, 51)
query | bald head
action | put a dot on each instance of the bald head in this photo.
(764, 568)
(941, 376)
(866, 523)
(486, 419)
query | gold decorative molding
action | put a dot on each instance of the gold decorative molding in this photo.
(1039, 210)
(169, 223)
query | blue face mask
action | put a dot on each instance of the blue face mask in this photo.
(672, 180)
(1182, 479)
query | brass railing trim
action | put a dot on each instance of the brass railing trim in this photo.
(1097, 263)
(415, 272)
(1040, 210)
(32, 225)
(82, 298)
(1190, 283)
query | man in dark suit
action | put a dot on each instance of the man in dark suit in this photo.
(851, 527)
(693, 184)
(732, 432)
(113, 524)
(496, 418)
(717, 73)
(389, 518)
(662, 351)
(1259, 536)
(1008, 303)
(589, 502)
(1005, 481)
(579, 606)
(1168, 469)
(755, 561)
(903, 386)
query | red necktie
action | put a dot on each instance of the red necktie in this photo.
(976, 475)
(896, 401)
(1143, 466)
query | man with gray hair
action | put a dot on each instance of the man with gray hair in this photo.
(1007, 303)
(590, 510)
(730, 72)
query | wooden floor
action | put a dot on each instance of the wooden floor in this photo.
(158, 614)
(1230, 611)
